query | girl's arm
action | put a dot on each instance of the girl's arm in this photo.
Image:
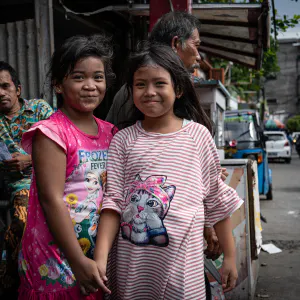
(107, 230)
(105, 238)
(49, 161)
(229, 272)
(112, 205)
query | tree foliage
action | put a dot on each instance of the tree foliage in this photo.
(293, 124)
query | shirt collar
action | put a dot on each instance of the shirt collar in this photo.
(26, 106)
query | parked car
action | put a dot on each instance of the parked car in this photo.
(278, 146)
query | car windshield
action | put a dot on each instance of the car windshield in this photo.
(275, 137)
(241, 131)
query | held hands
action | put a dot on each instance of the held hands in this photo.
(87, 274)
(19, 162)
(229, 274)
(101, 265)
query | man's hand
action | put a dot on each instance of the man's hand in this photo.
(19, 162)
(213, 250)
(224, 174)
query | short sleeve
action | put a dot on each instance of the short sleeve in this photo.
(221, 200)
(48, 129)
(114, 196)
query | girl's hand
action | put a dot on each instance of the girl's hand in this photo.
(87, 274)
(101, 265)
(229, 274)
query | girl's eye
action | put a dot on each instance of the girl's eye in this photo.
(78, 77)
(139, 84)
(160, 83)
(99, 77)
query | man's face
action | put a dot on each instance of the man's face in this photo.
(189, 53)
(9, 94)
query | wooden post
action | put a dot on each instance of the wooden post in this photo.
(45, 43)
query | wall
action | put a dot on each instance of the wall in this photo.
(18, 48)
(285, 86)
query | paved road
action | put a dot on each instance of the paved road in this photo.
(280, 278)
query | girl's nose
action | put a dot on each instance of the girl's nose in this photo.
(150, 92)
(89, 85)
(140, 208)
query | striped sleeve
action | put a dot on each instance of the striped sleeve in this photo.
(221, 200)
(114, 196)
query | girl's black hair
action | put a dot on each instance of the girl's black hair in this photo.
(188, 105)
(75, 48)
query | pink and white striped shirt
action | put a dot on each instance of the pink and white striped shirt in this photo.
(161, 185)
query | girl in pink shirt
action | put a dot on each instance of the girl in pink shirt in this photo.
(163, 184)
(69, 152)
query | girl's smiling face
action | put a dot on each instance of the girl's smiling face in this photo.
(153, 91)
(92, 182)
(84, 88)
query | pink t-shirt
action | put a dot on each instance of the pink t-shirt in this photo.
(43, 269)
(161, 185)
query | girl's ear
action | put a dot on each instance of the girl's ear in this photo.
(58, 89)
(175, 43)
(179, 92)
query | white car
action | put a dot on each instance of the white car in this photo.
(278, 146)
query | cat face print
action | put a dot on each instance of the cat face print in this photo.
(148, 202)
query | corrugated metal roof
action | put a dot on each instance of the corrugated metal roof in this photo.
(18, 47)
(236, 32)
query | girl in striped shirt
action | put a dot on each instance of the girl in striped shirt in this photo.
(163, 185)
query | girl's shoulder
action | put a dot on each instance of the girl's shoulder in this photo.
(53, 127)
(198, 130)
(53, 122)
(126, 132)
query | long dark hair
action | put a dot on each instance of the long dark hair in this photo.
(78, 47)
(188, 105)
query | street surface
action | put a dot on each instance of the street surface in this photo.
(279, 275)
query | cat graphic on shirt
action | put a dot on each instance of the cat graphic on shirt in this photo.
(148, 204)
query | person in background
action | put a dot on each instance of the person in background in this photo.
(17, 115)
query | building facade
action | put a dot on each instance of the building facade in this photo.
(283, 93)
